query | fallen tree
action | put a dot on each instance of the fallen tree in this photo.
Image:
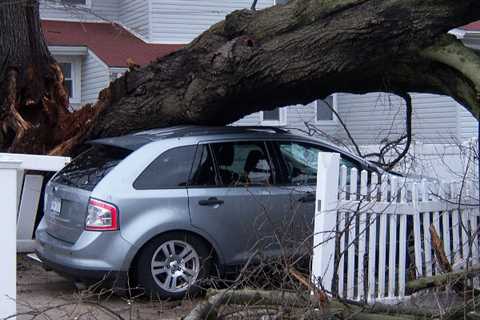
(253, 60)
(293, 305)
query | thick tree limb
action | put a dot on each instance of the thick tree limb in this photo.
(451, 52)
(240, 297)
(208, 310)
(281, 55)
(290, 54)
(441, 279)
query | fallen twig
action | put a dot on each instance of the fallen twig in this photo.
(322, 296)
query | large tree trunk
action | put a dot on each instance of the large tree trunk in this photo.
(34, 114)
(291, 54)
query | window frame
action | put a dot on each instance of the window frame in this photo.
(71, 78)
(280, 122)
(218, 180)
(282, 170)
(62, 4)
(283, 162)
(194, 163)
(96, 152)
(334, 117)
(189, 174)
(116, 73)
(76, 74)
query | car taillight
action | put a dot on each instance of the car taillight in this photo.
(101, 216)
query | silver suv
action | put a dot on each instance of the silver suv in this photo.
(163, 207)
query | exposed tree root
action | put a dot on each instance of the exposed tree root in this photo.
(51, 127)
(13, 120)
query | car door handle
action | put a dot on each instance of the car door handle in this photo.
(210, 202)
(309, 197)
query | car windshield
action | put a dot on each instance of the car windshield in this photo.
(89, 168)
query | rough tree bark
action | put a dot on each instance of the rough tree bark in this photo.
(282, 55)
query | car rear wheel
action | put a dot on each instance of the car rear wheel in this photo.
(173, 264)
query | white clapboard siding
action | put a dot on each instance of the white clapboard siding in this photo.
(371, 117)
(133, 14)
(381, 207)
(180, 21)
(99, 10)
(95, 77)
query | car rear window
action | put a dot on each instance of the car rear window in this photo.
(169, 171)
(89, 168)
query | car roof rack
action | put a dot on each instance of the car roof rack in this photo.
(266, 128)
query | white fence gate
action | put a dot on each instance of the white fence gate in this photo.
(364, 231)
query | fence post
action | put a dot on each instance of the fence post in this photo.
(325, 219)
(8, 267)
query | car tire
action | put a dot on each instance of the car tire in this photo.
(174, 265)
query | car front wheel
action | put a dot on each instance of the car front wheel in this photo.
(172, 265)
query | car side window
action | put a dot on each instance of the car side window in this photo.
(170, 170)
(203, 171)
(300, 162)
(242, 163)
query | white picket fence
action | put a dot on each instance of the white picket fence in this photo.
(364, 253)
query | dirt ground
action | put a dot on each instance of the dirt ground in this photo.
(45, 295)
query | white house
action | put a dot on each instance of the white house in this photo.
(94, 38)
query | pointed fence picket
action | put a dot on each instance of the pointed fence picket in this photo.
(380, 219)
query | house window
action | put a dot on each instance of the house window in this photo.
(71, 68)
(115, 75)
(324, 113)
(85, 3)
(67, 69)
(76, 2)
(79, 3)
(274, 117)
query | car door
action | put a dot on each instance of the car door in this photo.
(230, 198)
(297, 163)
